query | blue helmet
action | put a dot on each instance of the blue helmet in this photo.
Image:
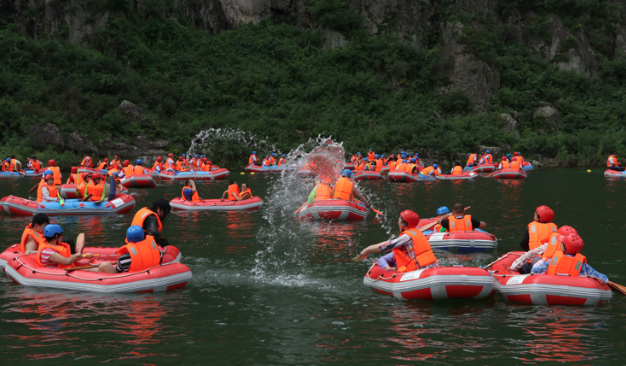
(8, 160)
(184, 155)
(195, 156)
(358, 153)
(366, 159)
(48, 171)
(403, 156)
(488, 151)
(346, 172)
(139, 161)
(116, 174)
(203, 156)
(508, 156)
(135, 234)
(370, 149)
(403, 152)
(435, 166)
(283, 155)
(51, 230)
(413, 160)
(254, 152)
(442, 210)
(417, 154)
(273, 154)
(377, 156)
(382, 156)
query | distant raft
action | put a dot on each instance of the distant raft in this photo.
(463, 241)
(510, 174)
(30, 173)
(333, 209)
(138, 181)
(305, 173)
(527, 166)
(367, 175)
(546, 289)
(464, 176)
(481, 168)
(254, 203)
(12, 205)
(10, 175)
(610, 173)
(267, 169)
(68, 191)
(402, 176)
(195, 175)
(440, 283)
(23, 269)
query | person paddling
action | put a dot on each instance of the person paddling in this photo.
(345, 189)
(410, 250)
(459, 221)
(139, 253)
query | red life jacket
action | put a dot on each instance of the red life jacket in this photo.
(422, 253)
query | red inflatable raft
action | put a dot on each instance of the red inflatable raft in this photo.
(483, 168)
(432, 283)
(304, 173)
(12, 205)
(463, 241)
(464, 176)
(610, 173)
(213, 175)
(251, 204)
(367, 175)
(349, 166)
(25, 270)
(138, 181)
(398, 176)
(546, 289)
(510, 174)
(334, 209)
(68, 191)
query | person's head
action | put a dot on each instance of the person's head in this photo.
(51, 162)
(232, 182)
(282, 156)
(504, 158)
(125, 163)
(254, 153)
(408, 220)
(34, 158)
(413, 160)
(366, 159)
(87, 177)
(573, 244)
(458, 163)
(97, 177)
(49, 178)
(267, 156)
(435, 166)
(189, 183)
(39, 222)
(184, 155)
(116, 174)
(443, 210)
(488, 151)
(159, 159)
(161, 207)
(196, 156)
(516, 154)
(370, 149)
(74, 169)
(209, 162)
(458, 209)
(135, 234)
(417, 155)
(509, 156)
(544, 214)
(273, 154)
(106, 160)
(244, 186)
(53, 233)
(565, 230)
(346, 173)
(171, 155)
(139, 161)
(382, 156)
(117, 157)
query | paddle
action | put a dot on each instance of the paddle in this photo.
(375, 210)
(61, 200)
(619, 288)
(432, 224)
(33, 189)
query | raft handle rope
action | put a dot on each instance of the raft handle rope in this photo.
(497, 260)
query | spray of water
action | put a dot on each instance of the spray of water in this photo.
(206, 141)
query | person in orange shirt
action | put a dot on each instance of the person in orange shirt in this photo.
(139, 169)
(115, 163)
(95, 189)
(104, 164)
(158, 164)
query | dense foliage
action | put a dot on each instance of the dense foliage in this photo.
(279, 81)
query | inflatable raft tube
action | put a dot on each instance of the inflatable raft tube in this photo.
(68, 191)
(172, 254)
(463, 241)
(440, 283)
(195, 175)
(305, 173)
(464, 176)
(367, 175)
(349, 166)
(30, 173)
(138, 181)
(610, 173)
(546, 289)
(25, 270)
(527, 166)
(333, 209)
(510, 174)
(12, 205)
(10, 175)
(481, 168)
(267, 169)
(396, 176)
(179, 204)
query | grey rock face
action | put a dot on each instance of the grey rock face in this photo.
(509, 124)
(48, 134)
(80, 143)
(549, 112)
(132, 112)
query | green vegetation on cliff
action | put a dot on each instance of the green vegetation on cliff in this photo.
(279, 81)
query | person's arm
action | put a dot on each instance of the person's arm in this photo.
(588, 271)
(224, 195)
(193, 186)
(312, 195)
(103, 194)
(386, 262)
(477, 224)
(151, 226)
(362, 198)
(45, 194)
(524, 258)
(65, 261)
(540, 267)
(385, 246)
(80, 242)
(525, 241)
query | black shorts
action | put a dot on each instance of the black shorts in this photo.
(123, 263)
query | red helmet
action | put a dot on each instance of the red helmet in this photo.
(96, 176)
(204, 159)
(545, 214)
(504, 158)
(566, 229)
(48, 176)
(74, 169)
(159, 158)
(515, 154)
(106, 159)
(117, 157)
(125, 163)
(171, 155)
(51, 162)
(410, 217)
(209, 162)
(85, 175)
(573, 243)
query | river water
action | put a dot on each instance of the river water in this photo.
(268, 290)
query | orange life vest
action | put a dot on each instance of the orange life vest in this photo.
(157, 164)
(344, 189)
(615, 162)
(379, 165)
(539, 233)
(52, 190)
(472, 159)
(322, 191)
(102, 165)
(392, 165)
(111, 171)
(62, 248)
(206, 168)
(81, 189)
(506, 164)
(36, 164)
(410, 167)
(169, 164)
(463, 224)
(114, 164)
(56, 174)
(437, 228)
(371, 156)
(553, 247)
(28, 231)
(95, 190)
(141, 216)
(562, 264)
(488, 159)
(359, 167)
(401, 167)
(427, 170)
(138, 170)
(72, 179)
(143, 255)
(128, 171)
(457, 170)
(88, 165)
(423, 254)
(194, 197)
(272, 160)
(282, 161)
(13, 166)
(252, 159)
(515, 165)
(41, 184)
(233, 192)
(248, 191)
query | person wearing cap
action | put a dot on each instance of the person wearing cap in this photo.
(409, 251)
(95, 189)
(412, 167)
(459, 221)
(504, 163)
(252, 160)
(540, 229)
(118, 182)
(56, 172)
(431, 171)
(568, 262)
(282, 161)
(158, 164)
(49, 190)
(54, 253)
(115, 163)
(442, 212)
(139, 169)
(140, 253)
(87, 162)
(73, 178)
(345, 189)
(273, 159)
(487, 158)
(266, 162)
(371, 156)
(613, 164)
(367, 164)
(546, 250)
(170, 164)
(127, 169)
(378, 163)
(81, 188)
(207, 165)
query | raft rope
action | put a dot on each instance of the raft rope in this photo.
(494, 262)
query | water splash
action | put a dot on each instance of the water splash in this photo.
(207, 142)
